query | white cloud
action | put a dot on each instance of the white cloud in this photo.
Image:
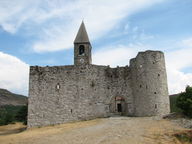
(118, 56)
(178, 80)
(55, 23)
(187, 42)
(13, 74)
(177, 60)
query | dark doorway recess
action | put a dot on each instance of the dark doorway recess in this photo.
(119, 108)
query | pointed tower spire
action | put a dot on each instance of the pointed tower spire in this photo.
(82, 36)
(82, 47)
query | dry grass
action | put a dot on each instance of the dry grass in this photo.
(13, 134)
(119, 130)
(184, 137)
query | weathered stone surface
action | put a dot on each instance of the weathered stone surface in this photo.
(85, 91)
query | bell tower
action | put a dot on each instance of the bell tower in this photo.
(82, 47)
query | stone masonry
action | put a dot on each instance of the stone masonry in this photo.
(84, 91)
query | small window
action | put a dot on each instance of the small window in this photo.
(140, 86)
(81, 49)
(92, 84)
(155, 92)
(58, 86)
(155, 105)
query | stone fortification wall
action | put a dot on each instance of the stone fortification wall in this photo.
(68, 93)
(149, 83)
(62, 94)
(119, 86)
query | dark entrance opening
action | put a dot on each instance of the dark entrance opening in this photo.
(119, 108)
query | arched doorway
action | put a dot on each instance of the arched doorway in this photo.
(118, 105)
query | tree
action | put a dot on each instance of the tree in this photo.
(184, 101)
(5, 117)
(22, 115)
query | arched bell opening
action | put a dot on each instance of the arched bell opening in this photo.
(81, 50)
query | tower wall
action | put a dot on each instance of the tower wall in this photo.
(86, 57)
(149, 83)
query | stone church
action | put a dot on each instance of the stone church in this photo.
(83, 91)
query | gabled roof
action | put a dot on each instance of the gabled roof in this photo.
(82, 36)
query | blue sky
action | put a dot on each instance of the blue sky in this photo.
(41, 32)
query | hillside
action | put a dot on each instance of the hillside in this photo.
(9, 98)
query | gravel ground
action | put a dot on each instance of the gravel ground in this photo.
(183, 122)
(180, 119)
(113, 130)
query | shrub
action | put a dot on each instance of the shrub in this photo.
(184, 101)
(22, 115)
(10, 114)
(5, 117)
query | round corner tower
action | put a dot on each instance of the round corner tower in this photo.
(149, 83)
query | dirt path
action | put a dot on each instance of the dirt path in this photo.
(114, 130)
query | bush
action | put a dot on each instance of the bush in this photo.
(5, 117)
(10, 114)
(2, 116)
(173, 101)
(22, 115)
(184, 101)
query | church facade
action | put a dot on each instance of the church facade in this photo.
(84, 91)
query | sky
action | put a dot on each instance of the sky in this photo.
(41, 32)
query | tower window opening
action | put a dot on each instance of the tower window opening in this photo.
(58, 86)
(81, 50)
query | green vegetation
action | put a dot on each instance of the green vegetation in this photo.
(22, 115)
(184, 101)
(173, 106)
(184, 136)
(10, 114)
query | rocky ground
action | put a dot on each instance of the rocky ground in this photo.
(114, 130)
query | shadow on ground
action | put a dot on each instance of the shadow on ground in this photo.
(13, 131)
